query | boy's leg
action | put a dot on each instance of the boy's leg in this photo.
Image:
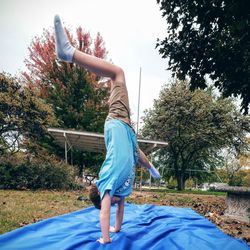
(66, 52)
(118, 102)
(99, 66)
(64, 49)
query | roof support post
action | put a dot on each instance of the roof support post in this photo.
(65, 148)
(71, 156)
(151, 148)
(150, 174)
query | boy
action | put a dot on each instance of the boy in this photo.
(117, 175)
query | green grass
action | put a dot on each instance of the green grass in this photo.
(165, 190)
(19, 208)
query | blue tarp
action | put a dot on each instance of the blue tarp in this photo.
(144, 227)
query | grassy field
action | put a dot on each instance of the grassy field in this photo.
(164, 190)
(19, 208)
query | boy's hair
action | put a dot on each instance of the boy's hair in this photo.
(94, 196)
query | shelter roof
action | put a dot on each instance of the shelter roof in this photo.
(94, 142)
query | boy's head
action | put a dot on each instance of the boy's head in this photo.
(94, 196)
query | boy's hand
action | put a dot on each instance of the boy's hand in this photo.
(113, 230)
(154, 172)
(101, 241)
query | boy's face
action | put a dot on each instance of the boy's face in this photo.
(115, 199)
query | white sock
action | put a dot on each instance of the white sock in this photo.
(154, 172)
(64, 50)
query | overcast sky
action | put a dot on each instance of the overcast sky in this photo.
(129, 28)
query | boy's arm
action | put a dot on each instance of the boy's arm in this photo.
(119, 216)
(143, 161)
(105, 218)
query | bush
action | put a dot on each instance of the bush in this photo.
(246, 180)
(172, 183)
(237, 179)
(38, 173)
(189, 183)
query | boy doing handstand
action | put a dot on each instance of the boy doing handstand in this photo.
(117, 174)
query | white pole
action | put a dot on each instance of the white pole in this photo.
(138, 106)
(138, 119)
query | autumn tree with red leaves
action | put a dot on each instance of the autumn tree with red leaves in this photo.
(79, 97)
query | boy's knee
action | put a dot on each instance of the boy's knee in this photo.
(119, 75)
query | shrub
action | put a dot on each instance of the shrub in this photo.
(190, 183)
(246, 180)
(37, 173)
(237, 179)
(172, 183)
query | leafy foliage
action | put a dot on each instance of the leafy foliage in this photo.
(22, 115)
(209, 37)
(235, 167)
(43, 172)
(196, 127)
(79, 97)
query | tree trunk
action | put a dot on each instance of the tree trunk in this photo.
(180, 181)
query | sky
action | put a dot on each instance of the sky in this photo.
(129, 28)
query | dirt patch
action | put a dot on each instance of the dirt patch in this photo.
(210, 206)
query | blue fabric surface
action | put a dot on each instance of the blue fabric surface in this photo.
(144, 227)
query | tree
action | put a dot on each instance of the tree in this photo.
(236, 168)
(232, 166)
(78, 97)
(209, 38)
(196, 127)
(22, 115)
